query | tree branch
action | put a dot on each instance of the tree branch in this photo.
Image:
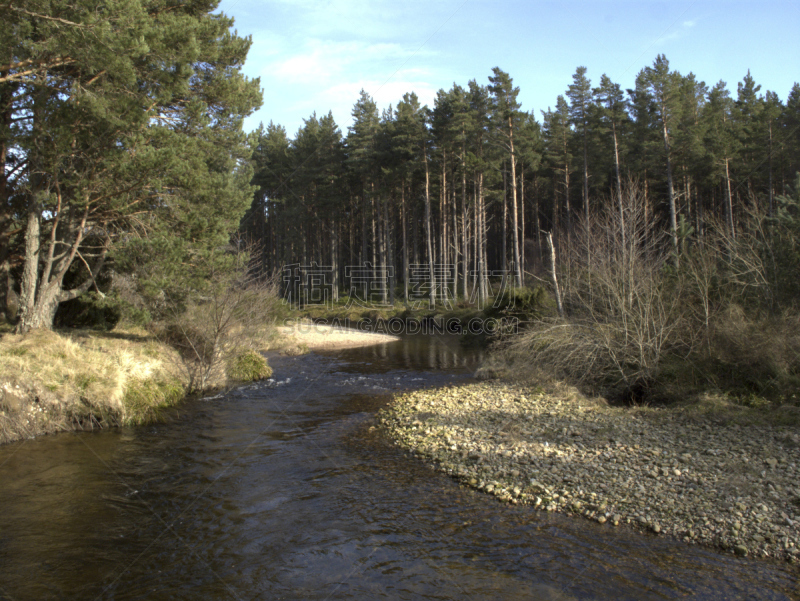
(45, 17)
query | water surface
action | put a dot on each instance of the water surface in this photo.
(280, 490)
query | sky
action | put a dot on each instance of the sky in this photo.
(316, 55)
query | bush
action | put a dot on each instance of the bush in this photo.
(642, 323)
(755, 356)
(209, 327)
(102, 312)
(90, 310)
(248, 366)
(624, 311)
(145, 401)
(524, 303)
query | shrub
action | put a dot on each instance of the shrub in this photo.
(248, 366)
(623, 310)
(642, 323)
(145, 401)
(524, 303)
(103, 312)
(209, 327)
(751, 355)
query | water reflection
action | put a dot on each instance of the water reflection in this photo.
(439, 352)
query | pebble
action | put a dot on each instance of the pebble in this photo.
(731, 487)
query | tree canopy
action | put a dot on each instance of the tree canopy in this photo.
(121, 141)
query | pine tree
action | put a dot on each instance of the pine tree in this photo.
(688, 144)
(273, 168)
(529, 155)
(362, 162)
(721, 143)
(748, 124)
(408, 145)
(770, 115)
(557, 151)
(790, 137)
(110, 135)
(506, 114)
(580, 96)
(479, 107)
(662, 87)
(610, 102)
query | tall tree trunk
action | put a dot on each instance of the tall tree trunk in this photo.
(482, 254)
(374, 238)
(334, 261)
(698, 205)
(585, 176)
(522, 223)
(443, 259)
(464, 223)
(505, 229)
(537, 222)
(646, 198)
(431, 259)
(363, 258)
(352, 234)
(729, 201)
(30, 270)
(517, 261)
(475, 245)
(556, 207)
(405, 239)
(454, 213)
(619, 184)
(566, 201)
(415, 242)
(673, 216)
(553, 276)
(383, 267)
(389, 260)
(769, 154)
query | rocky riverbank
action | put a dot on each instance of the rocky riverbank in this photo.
(669, 472)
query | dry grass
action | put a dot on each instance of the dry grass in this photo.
(54, 381)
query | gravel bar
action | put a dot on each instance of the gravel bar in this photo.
(324, 337)
(663, 471)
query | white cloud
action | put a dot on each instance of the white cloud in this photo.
(678, 33)
(323, 61)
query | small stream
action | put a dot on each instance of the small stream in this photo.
(280, 490)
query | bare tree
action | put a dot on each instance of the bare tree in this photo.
(622, 314)
(215, 328)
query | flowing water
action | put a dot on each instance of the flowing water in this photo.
(280, 490)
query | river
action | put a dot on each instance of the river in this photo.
(281, 490)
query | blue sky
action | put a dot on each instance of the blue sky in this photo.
(316, 55)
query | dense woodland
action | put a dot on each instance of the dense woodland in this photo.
(476, 183)
(654, 232)
(126, 172)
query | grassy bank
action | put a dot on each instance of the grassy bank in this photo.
(84, 379)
